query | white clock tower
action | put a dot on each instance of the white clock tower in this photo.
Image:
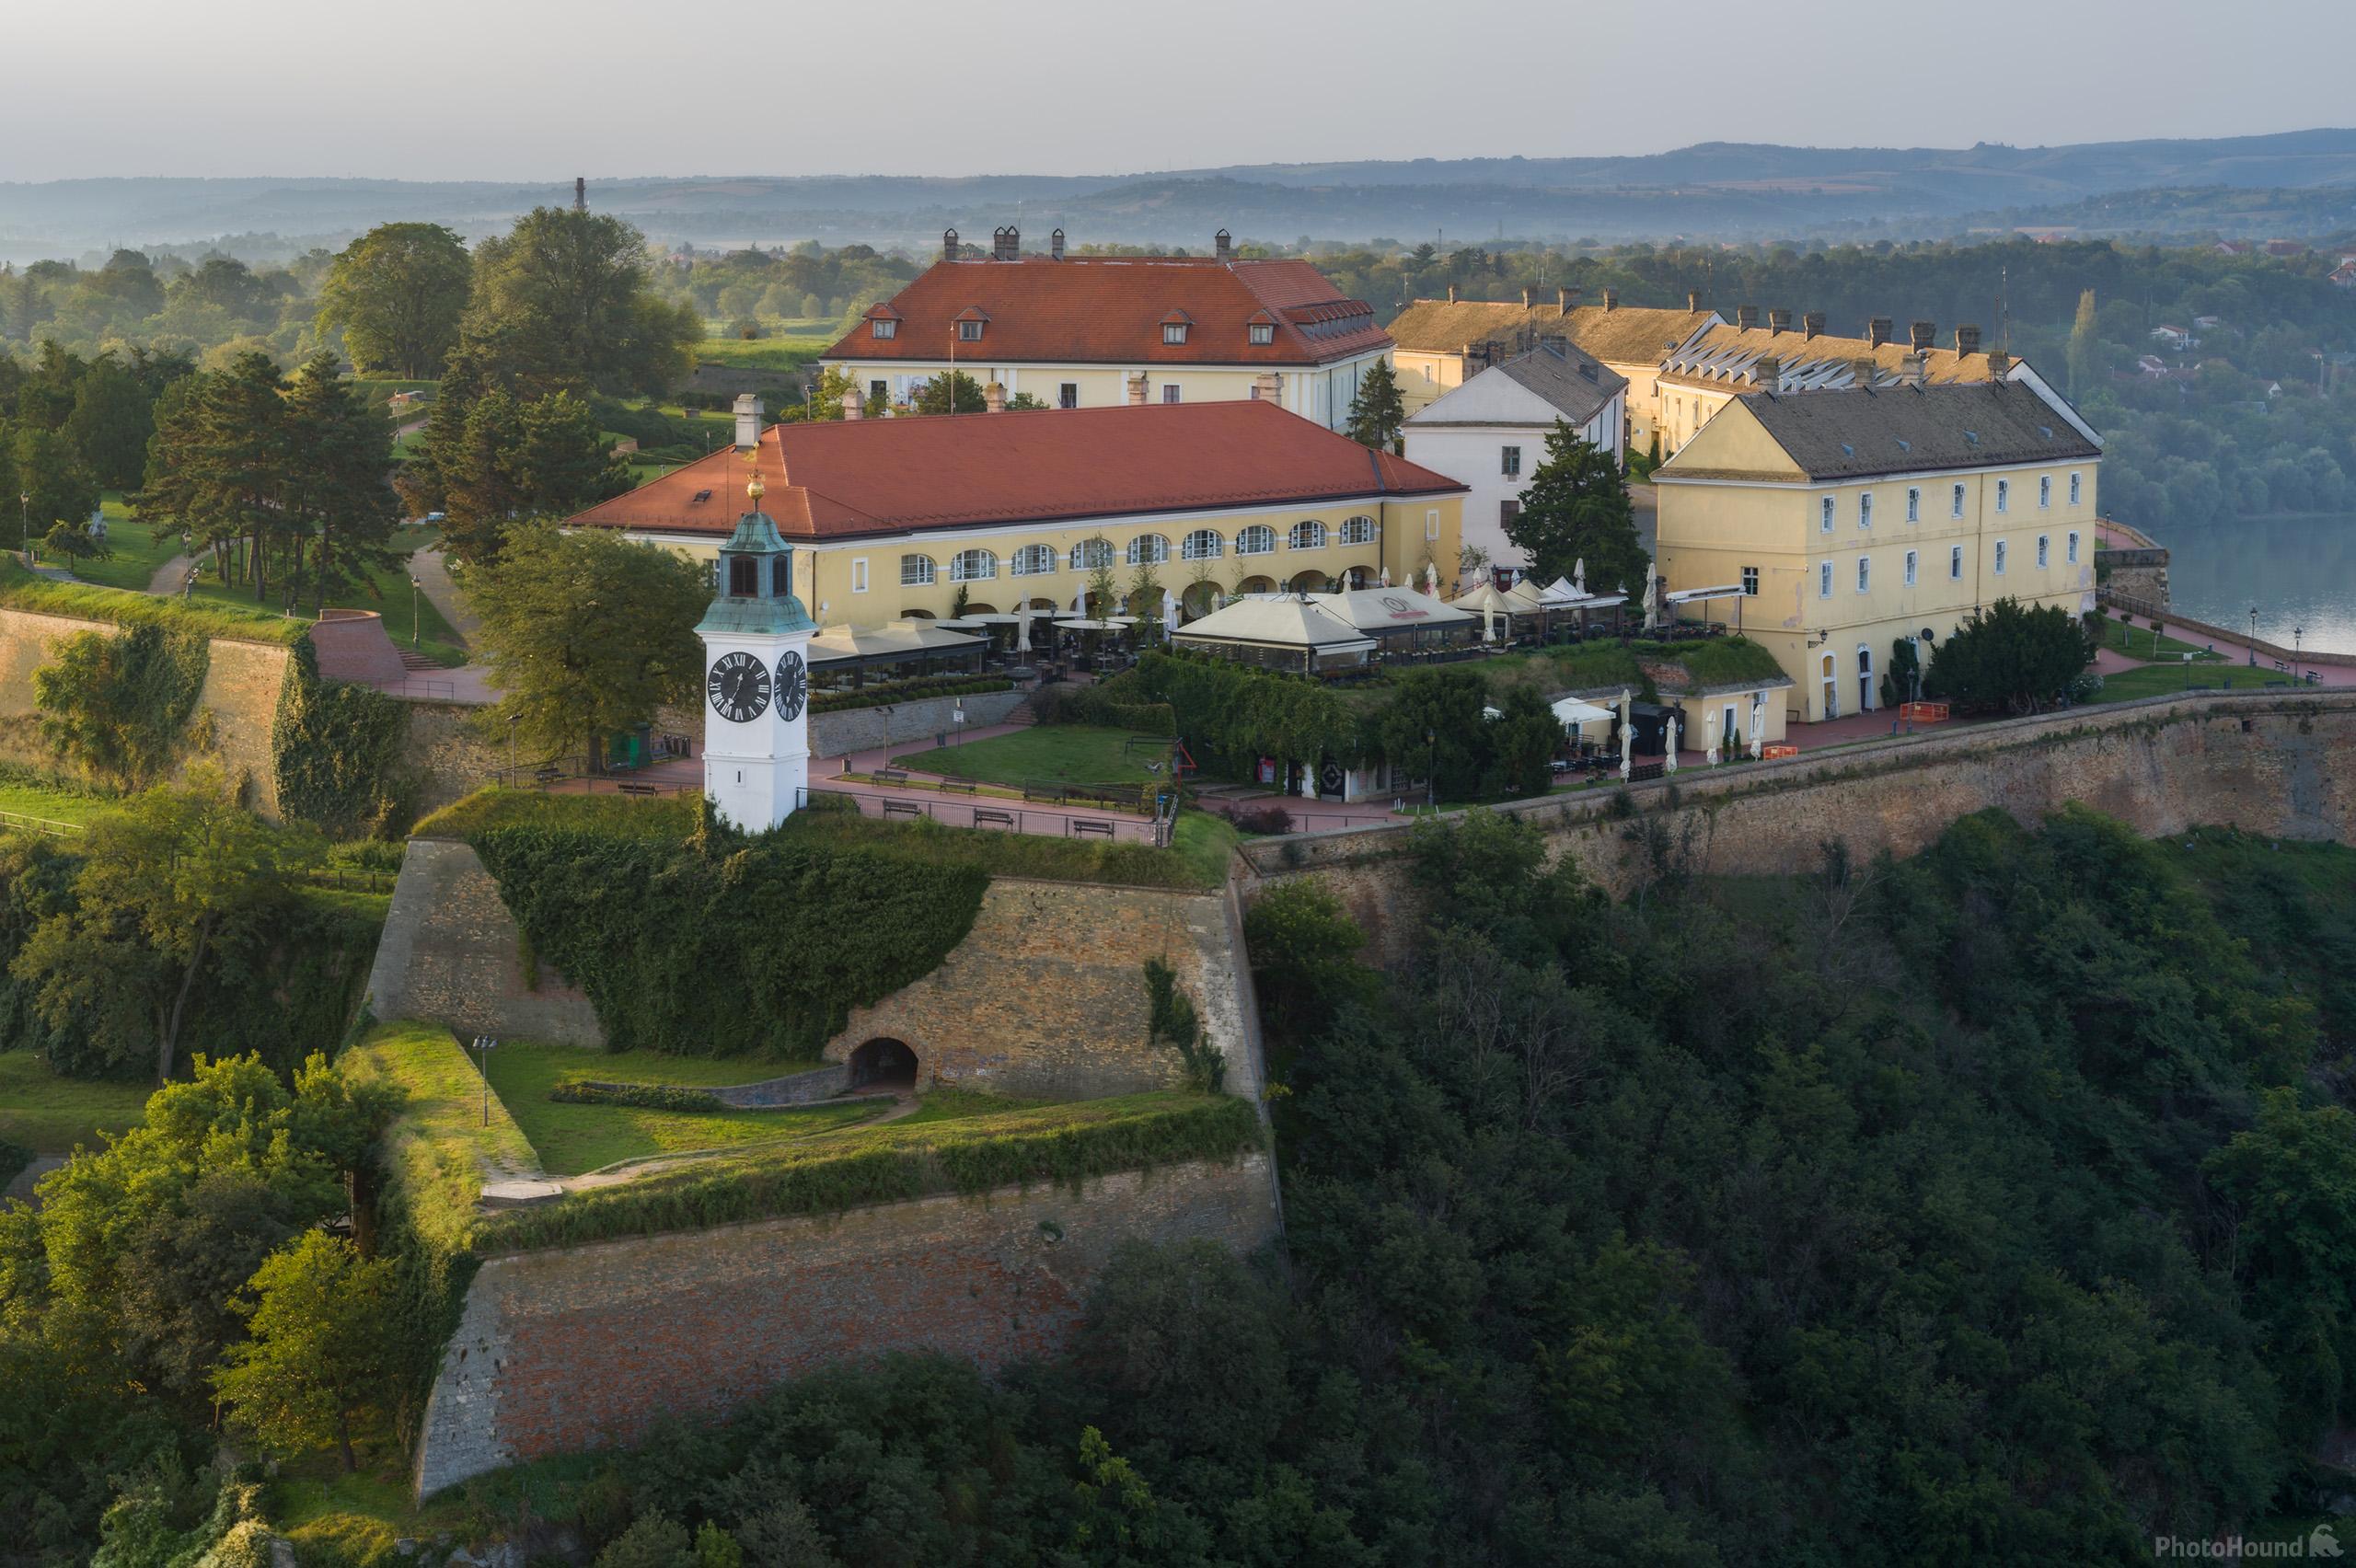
(756, 678)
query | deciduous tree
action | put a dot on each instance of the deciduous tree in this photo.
(397, 294)
(318, 1352)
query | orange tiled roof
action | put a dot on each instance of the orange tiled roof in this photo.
(860, 477)
(1110, 310)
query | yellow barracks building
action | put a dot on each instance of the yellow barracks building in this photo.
(1849, 519)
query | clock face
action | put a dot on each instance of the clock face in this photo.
(738, 686)
(792, 684)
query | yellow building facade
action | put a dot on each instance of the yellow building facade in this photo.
(1850, 520)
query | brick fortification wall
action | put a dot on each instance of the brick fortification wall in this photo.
(449, 954)
(449, 757)
(585, 1347)
(239, 699)
(1046, 997)
(2270, 763)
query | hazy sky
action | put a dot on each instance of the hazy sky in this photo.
(545, 89)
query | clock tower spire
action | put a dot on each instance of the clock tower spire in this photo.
(756, 678)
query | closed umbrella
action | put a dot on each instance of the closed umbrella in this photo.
(1627, 736)
(1758, 709)
(1578, 574)
(1169, 614)
(1431, 578)
(1022, 629)
(1671, 763)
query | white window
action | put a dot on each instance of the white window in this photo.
(2070, 550)
(2000, 558)
(1034, 560)
(1068, 395)
(2073, 488)
(1510, 462)
(1954, 563)
(883, 328)
(1824, 580)
(1170, 392)
(1911, 564)
(2042, 561)
(1431, 523)
(1258, 540)
(1914, 503)
(1824, 521)
(1308, 536)
(1174, 332)
(1092, 555)
(1358, 530)
(1148, 549)
(859, 574)
(1865, 574)
(1264, 332)
(1751, 582)
(972, 566)
(1865, 509)
(2044, 492)
(969, 332)
(916, 571)
(1955, 503)
(2004, 495)
(1203, 544)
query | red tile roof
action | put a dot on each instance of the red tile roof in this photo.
(860, 477)
(1109, 310)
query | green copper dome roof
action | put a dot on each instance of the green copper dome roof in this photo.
(772, 607)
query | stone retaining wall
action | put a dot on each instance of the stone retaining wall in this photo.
(912, 724)
(451, 954)
(797, 1088)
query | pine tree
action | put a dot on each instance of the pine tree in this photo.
(1377, 412)
(1576, 509)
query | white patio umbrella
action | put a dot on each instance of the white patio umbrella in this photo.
(1022, 629)
(1169, 614)
(1758, 710)
(1627, 735)
(1671, 763)
(1578, 574)
(1386, 576)
(1431, 578)
(1080, 603)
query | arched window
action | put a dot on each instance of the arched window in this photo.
(1092, 555)
(1358, 530)
(972, 566)
(1034, 560)
(1148, 549)
(1203, 544)
(1308, 536)
(1258, 540)
(916, 571)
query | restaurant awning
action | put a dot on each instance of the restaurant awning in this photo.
(893, 643)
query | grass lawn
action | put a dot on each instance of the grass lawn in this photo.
(2170, 679)
(784, 353)
(138, 550)
(2139, 642)
(574, 1139)
(391, 599)
(1071, 754)
(49, 1114)
(51, 803)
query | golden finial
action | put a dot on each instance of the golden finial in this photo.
(754, 490)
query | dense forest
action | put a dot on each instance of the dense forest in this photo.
(1996, 1206)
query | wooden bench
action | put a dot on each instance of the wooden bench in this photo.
(638, 789)
(994, 819)
(889, 776)
(544, 777)
(1086, 827)
(902, 808)
(959, 785)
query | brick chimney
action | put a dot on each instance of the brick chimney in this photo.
(853, 404)
(2000, 364)
(1451, 294)
(1527, 299)
(1137, 389)
(748, 421)
(1812, 325)
(1911, 372)
(1779, 320)
(1967, 341)
(1223, 245)
(1563, 298)
(948, 245)
(1878, 331)
(1767, 371)
(1612, 299)
(1694, 299)
(1746, 317)
(1056, 245)
(1921, 333)
(994, 398)
(1268, 387)
(1006, 243)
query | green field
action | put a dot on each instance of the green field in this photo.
(50, 1114)
(2138, 642)
(391, 598)
(21, 796)
(1068, 753)
(789, 352)
(2168, 679)
(138, 550)
(571, 1138)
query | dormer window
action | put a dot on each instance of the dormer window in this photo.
(882, 327)
(969, 332)
(1174, 332)
(1262, 334)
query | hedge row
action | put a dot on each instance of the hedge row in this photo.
(647, 1096)
(885, 692)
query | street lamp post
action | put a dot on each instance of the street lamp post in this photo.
(511, 718)
(2252, 637)
(483, 1044)
(413, 586)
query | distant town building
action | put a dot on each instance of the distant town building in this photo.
(1849, 519)
(1490, 432)
(2175, 337)
(1100, 331)
(2345, 273)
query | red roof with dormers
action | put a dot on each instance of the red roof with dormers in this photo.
(1109, 310)
(858, 477)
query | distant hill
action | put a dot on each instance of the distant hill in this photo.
(1735, 191)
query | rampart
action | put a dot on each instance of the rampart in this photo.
(451, 954)
(2275, 763)
(585, 1347)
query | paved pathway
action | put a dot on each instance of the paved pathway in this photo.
(433, 575)
(172, 576)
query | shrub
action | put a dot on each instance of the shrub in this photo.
(117, 706)
(1263, 819)
(337, 754)
(881, 693)
(648, 1096)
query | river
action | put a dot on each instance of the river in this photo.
(2297, 572)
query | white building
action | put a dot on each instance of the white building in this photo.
(1490, 433)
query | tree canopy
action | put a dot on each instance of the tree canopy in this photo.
(2009, 657)
(1576, 509)
(397, 294)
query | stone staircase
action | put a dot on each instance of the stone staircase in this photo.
(1022, 714)
(416, 663)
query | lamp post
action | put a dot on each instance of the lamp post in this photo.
(2252, 637)
(2297, 632)
(483, 1044)
(24, 519)
(413, 586)
(511, 718)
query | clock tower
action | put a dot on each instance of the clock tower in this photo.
(756, 678)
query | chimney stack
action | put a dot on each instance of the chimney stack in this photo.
(580, 193)
(1921, 333)
(1746, 317)
(1768, 372)
(1612, 299)
(1006, 243)
(1909, 373)
(1056, 245)
(1967, 341)
(748, 421)
(1137, 390)
(1527, 299)
(1693, 300)
(1223, 247)
(1562, 301)
(1812, 325)
(853, 403)
(1268, 387)
(1451, 294)
(2000, 364)
(994, 398)
(1779, 320)
(948, 245)
(1878, 331)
